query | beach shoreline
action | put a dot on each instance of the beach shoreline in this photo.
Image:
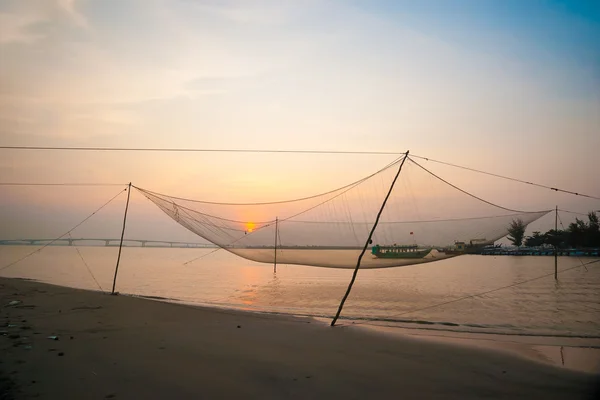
(571, 352)
(133, 347)
(575, 354)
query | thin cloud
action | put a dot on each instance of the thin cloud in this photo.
(281, 74)
(16, 29)
(69, 6)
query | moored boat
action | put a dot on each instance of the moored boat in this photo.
(410, 251)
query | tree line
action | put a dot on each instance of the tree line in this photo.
(579, 234)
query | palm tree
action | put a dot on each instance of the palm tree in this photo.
(516, 231)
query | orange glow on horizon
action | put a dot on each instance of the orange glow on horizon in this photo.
(250, 226)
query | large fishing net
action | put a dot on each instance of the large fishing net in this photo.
(425, 219)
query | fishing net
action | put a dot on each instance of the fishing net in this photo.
(426, 218)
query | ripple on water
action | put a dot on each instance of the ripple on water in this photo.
(410, 295)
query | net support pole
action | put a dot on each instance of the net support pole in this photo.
(362, 253)
(276, 231)
(121, 242)
(556, 245)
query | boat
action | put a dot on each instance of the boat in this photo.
(474, 246)
(410, 251)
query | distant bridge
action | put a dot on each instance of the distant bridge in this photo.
(107, 242)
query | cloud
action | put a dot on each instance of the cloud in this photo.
(263, 13)
(17, 28)
(274, 74)
(69, 6)
(27, 22)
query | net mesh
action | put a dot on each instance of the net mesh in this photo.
(425, 219)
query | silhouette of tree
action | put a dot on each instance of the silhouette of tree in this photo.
(558, 238)
(593, 231)
(516, 231)
(578, 234)
(535, 240)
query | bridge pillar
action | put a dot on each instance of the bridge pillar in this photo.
(70, 242)
(106, 243)
(143, 243)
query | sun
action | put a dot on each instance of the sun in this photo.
(250, 226)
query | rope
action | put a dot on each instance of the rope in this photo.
(347, 189)
(139, 149)
(202, 256)
(507, 177)
(149, 194)
(573, 212)
(87, 266)
(183, 150)
(423, 221)
(272, 202)
(59, 184)
(467, 193)
(64, 234)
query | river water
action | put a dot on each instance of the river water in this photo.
(410, 296)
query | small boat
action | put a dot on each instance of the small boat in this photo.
(475, 246)
(410, 251)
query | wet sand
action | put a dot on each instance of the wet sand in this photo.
(130, 348)
(578, 354)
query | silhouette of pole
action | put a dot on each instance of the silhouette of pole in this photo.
(556, 245)
(276, 228)
(122, 235)
(362, 253)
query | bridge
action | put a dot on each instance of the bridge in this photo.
(107, 242)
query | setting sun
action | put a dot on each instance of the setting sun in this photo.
(250, 226)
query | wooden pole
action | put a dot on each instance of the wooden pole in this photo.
(122, 235)
(276, 231)
(556, 245)
(362, 253)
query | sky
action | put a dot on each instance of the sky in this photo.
(511, 87)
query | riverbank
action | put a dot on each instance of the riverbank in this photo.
(124, 347)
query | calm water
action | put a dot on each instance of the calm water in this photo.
(569, 307)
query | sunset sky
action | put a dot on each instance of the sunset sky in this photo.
(511, 87)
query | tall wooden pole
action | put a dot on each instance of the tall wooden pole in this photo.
(276, 231)
(556, 245)
(122, 235)
(362, 253)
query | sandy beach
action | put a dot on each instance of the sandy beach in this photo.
(62, 343)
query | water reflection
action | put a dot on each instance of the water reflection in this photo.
(272, 292)
(570, 305)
